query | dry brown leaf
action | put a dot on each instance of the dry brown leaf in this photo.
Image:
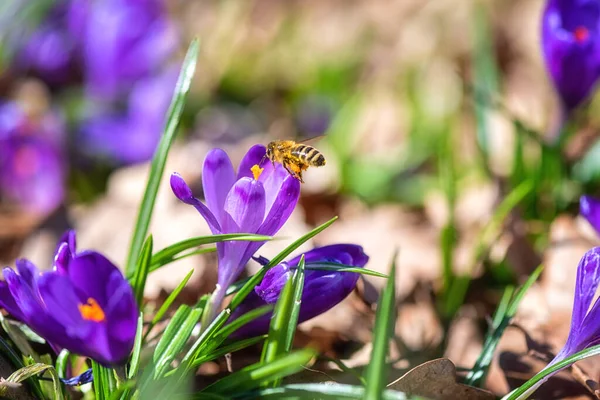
(436, 379)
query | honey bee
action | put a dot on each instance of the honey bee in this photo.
(295, 157)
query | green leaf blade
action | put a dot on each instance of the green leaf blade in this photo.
(376, 373)
(141, 271)
(260, 374)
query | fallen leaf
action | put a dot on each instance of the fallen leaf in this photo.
(436, 379)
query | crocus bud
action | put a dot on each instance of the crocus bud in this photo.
(570, 44)
(322, 289)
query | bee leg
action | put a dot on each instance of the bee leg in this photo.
(290, 167)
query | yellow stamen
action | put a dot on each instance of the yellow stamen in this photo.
(91, 311)
(256, 171)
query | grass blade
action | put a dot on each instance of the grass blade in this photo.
(175, 337)
(256, 278)
(283, 324)
(170, 253)
(62, 363)
(205, 337)
(230, 348)
(165, 306)
(531, 385)
(327, 266)
(310, 391)
(458, 289)
(298, 287)
(506, 310)
(486, 79)
(345, 368)
(104, 381)
(160, 157)
(134, 365)
(385, 319)
(243, 320)
(141, 270)
(258, 374)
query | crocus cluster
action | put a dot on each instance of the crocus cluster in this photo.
(246, 202)
(32, 169)
(571, 48)
(322, 290)
(84, 304)
(120, 52)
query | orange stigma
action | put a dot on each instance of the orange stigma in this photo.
(256, 171)
(581, 34)
(91, 311)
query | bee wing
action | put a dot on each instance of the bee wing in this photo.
(313, 139)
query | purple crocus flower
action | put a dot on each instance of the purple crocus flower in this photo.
(32, 169)
(571, 47)
(585, 322)
(84, 305)
(122, 42)
(240, 203)
(322, 289)
(50, 51)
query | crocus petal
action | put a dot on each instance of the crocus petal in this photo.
(585, 322)
(217, 179)
(245, 203)
(27, 300)
(273, 178)
(283, 205)
(63, 302)
(85, 377)
(183, 192)
(62, 258)
(121, 315)
(349, 254)
(589, 207)
(254, 156)
(90, 273)
(8, 302)
(28, 273)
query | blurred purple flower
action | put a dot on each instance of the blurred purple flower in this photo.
(122, 41)
(84, 305)
(585, 322)
(571, 47)
(32, 170)
(131, 136)
(49, 52)
(240, 204)
(322, 289)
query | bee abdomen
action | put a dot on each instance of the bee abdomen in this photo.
(310, 155)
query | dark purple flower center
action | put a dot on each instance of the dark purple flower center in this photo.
(91, 311)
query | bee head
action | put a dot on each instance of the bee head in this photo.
(270, 152)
